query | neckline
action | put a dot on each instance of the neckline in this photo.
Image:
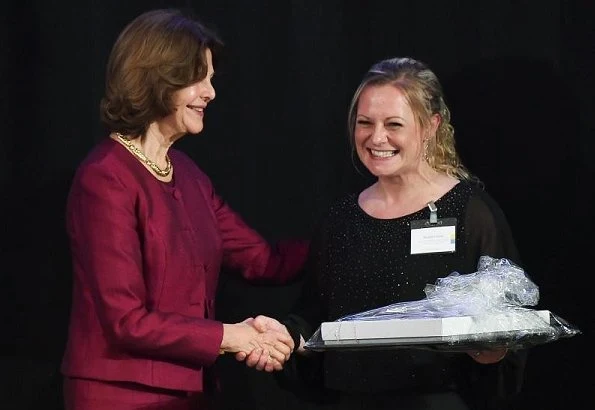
(132, 159)
(412, 215)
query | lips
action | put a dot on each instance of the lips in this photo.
(383, 153)
(199, 109)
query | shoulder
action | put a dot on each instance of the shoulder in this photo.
(343, 205)
(103, 162)
(482, 210)
(104, 176)
(480, 200)
(337, 212)
(487, 229)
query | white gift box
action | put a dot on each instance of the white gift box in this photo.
(423, 330)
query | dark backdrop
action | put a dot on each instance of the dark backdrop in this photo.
(517, 79)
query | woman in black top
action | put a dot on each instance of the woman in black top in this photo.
(364, 255)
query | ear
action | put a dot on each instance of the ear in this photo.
(434, 123)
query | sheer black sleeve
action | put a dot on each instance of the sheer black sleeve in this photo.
(493, 386)
(303, 373)
(488, 231)
(309, 310)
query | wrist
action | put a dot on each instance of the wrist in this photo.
(295, 336)
(227, 340)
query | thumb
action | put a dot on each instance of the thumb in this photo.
(260, 324)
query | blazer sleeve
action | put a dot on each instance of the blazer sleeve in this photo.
(107, 256)
(246, 251)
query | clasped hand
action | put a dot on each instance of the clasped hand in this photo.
(262, 342)
(488, 356)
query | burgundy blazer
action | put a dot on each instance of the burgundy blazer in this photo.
(146, 260)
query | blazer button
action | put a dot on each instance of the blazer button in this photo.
(177, 194)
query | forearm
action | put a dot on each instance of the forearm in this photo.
(166, 336)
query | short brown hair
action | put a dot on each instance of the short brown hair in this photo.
(158, 53)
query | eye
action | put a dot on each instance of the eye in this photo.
(394, 124)
(363, 122)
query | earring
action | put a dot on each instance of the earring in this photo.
(426, 158)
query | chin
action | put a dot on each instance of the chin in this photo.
(375, 168)
(379, 172)
(194, 130)
(192, 125)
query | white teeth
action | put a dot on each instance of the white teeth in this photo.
(383, 154)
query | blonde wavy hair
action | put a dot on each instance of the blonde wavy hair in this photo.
(423, 92)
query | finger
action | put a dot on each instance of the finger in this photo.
(285, 338)
(269, 323)
(280, 340)
(278, 350)
(241, 356)
(273, 365)
(270, 366)
(280, 355)
(283, 347)
(277, 366)
(254, 357)
(260, 323)
(488, 356)
(501, 350)
(262, 361)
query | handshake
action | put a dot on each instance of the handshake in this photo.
(265, 344)
(262, 342)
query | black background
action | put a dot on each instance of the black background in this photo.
(518, 80)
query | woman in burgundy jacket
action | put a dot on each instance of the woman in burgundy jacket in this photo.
(149, 235)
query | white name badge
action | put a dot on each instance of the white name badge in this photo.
(436, 237)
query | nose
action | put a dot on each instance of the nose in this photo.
(379, 135)
(208, 91)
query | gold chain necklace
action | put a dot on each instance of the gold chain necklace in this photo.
(141, 155)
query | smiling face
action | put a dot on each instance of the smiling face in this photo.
(190, 104)
(387, 136)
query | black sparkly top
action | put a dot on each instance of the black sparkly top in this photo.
(359, 262)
